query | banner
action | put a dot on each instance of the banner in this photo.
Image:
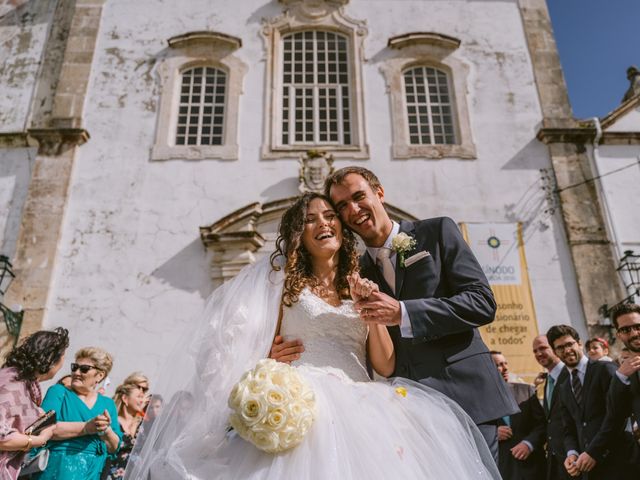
(500, 252)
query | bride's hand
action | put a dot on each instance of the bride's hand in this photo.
(359, 287)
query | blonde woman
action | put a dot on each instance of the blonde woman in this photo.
(142, 382)
(87, 428)
(130, 401)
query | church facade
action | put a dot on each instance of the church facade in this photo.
(148, 148)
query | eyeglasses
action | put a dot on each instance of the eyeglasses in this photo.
(629, 328)
(562, 348)
(82, 368)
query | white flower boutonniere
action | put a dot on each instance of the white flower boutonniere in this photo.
(402, 244)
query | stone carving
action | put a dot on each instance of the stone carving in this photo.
(315, 167)
(633, 75)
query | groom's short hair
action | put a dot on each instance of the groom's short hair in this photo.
(338, 176)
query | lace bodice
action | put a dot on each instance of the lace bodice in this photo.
(332, 336)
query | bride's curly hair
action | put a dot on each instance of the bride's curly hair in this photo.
(298, 268)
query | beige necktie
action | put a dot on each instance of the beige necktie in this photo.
(388, 272)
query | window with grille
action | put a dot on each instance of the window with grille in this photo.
(315, 89)
(202, 107)
(429, 107)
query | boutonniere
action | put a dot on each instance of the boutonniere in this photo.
(402, 244)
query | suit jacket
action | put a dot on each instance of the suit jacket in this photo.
(591, 428)
(447, 297)
(624, 402)
(527, 425)
(556, 452)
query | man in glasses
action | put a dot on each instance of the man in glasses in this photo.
(624, 394)
(593, 440)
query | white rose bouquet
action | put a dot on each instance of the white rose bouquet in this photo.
(273, 407)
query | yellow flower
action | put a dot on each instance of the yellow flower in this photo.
(401, 391)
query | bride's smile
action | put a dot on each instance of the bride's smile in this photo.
(322, 235)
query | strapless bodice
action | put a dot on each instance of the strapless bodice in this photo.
(332, 336)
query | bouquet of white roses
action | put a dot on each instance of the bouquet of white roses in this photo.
(273, 407)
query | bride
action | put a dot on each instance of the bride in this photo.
(363, 429)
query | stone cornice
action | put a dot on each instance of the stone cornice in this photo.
(205, 38)
(220, 240)
(16, 140)
(430, 39)
(54, 141)
(620, 111)
(50, 141)
(585, 135)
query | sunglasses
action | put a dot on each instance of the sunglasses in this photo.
(144, 389)
(629, 328)
(82, 368)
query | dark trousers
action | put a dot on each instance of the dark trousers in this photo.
(555, 468)
(490, 433)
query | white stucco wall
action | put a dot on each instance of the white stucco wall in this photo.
(620, 167)
(15, 173)
(132, 272)
(23, 32)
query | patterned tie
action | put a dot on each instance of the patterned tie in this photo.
(388, 272)
(576, 384)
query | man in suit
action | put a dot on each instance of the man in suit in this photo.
(594, 440)
(555, 375)
(624, 393)
(520, 436)
(432, 298)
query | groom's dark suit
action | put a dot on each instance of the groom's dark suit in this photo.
(447, 297)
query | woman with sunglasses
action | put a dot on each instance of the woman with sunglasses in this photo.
(141, 381)
(87, 429)
(37, 358)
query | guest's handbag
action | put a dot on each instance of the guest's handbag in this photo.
(35, 464)
(41, 423)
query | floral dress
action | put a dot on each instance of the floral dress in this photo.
(115, 467)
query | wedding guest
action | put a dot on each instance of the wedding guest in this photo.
(624, 394)
(65, 381)
(555, 375)
(521, 435)
(142, 382)
(87, 428)
(37, 358)
(598, 349)
(594, 441)
(129, 401)
(155, 406)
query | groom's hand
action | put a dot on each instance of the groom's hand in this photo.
(380, 308)
(286, 352)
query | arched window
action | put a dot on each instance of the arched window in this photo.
(316, 98)
(202, 107)
(429, 106)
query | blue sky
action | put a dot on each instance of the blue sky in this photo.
(597, 40)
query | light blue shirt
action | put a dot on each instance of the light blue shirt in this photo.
(405, 322)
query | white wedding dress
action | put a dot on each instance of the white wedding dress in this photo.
(362, 430)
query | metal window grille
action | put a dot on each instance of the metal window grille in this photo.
(429, 107)
(201, 109)
(315, 89)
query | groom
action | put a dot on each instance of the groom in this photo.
(432, 301)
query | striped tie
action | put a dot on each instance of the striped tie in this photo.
(576, 385)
